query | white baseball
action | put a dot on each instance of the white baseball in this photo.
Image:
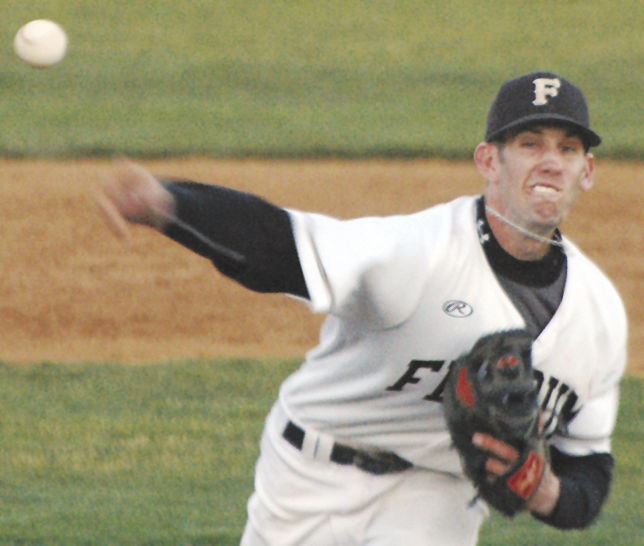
(41, 43)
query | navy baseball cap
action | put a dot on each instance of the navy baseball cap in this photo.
(539, 97)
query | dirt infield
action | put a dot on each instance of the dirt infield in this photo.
(72, 292)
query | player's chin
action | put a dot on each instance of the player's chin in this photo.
(548, 214)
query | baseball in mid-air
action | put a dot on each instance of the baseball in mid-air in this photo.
(41, 43)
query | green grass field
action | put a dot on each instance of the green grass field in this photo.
(302, 78)
(164, 454)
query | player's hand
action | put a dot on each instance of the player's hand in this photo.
(502, 457)
(132, 194)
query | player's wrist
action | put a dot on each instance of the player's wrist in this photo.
(162, 211)
(545, 498)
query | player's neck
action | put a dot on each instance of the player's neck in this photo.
(516, 240)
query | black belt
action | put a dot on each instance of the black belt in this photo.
(376, 462)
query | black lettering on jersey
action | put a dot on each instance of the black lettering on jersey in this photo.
(552, 385)
(558, 401)
(410, 375)
(437, 395)
(556, 410)
(539, 377)
(567, 410)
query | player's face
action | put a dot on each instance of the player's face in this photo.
(536, 177)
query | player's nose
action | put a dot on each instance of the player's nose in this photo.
(551, 159)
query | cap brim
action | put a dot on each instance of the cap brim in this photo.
(592, 138)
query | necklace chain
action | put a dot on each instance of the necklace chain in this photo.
(526, 232)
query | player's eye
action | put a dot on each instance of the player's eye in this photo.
(570, 147)
(528, 143)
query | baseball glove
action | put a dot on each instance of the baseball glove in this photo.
(492, 389)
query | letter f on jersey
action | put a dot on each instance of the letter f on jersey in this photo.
(544, 88)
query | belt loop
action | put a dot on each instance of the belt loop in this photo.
(310, 445)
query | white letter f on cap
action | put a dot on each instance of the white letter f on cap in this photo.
(544, 88)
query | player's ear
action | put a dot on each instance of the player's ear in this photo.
(587, 180)
(485, 156)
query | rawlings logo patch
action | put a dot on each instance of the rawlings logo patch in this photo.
(526, 480)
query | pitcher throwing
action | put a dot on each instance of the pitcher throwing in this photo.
(356, 449)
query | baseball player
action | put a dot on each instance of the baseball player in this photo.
(355, 449)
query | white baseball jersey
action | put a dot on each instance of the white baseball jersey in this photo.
(408, 294)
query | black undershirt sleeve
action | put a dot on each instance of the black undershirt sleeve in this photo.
(585, 483)
(257, 231)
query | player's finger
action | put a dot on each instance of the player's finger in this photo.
(113, 218)
(133, 177)
(496, 467)
(496, 447)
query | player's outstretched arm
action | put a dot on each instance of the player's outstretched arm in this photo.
(131, 194)
(246, 237)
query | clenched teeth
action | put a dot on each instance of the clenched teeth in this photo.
(544, 189)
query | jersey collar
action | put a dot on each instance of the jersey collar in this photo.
(529, 272)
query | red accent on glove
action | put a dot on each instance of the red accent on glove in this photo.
(525, 481)
(509, 361)
(464, 388)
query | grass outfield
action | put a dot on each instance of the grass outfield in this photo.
(303, 78)
(164, 454)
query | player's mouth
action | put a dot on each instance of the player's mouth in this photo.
(545, 190)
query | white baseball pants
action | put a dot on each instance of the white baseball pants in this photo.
(303, 499)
